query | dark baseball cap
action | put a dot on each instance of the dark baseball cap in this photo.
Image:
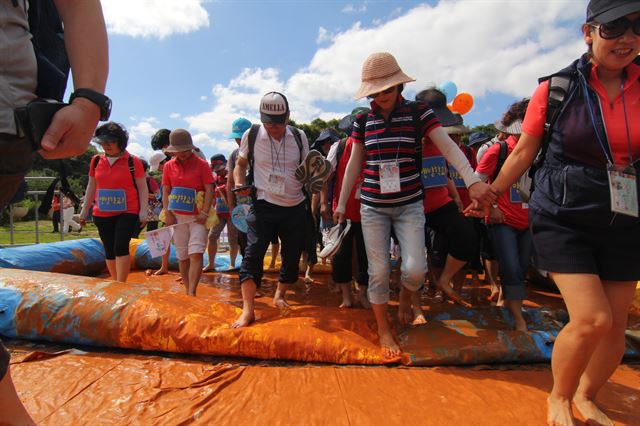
(604, 11)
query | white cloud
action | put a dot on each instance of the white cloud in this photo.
(154, 18)
(496, 47)
(350, 8)
(323, 35)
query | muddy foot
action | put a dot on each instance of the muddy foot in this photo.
(593, 416)
(559, 412)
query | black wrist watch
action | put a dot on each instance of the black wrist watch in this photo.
(103, 101)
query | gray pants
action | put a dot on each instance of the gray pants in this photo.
(15, 163)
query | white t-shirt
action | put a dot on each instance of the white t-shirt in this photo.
(332, 156)
(273, 156)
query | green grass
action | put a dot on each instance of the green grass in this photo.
(25, 233)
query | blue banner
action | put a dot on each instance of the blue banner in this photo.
(457, 179)
(182, 199)
(434, 172)
(112, 200)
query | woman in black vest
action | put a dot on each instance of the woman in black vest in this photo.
(584, 210)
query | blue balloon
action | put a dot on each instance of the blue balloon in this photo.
(450, 90)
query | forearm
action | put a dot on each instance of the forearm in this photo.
(517, 162)
(143, 196)
(166, 191)
(354, 166)
(454, 155)
(86, 42)
(239, 173)
(89, 195)
(208, 198)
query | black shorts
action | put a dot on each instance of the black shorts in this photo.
(612, 253)
(455, 235)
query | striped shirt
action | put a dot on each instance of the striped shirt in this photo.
(393, 140)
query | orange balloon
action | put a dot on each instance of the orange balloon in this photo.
(450, 107)
(463, 103)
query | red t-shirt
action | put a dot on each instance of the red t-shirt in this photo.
(193, 173)
(438, 195)
(352, 211)
(612, 113)
(116, 179)
(516, 213)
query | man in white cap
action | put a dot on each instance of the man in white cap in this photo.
(279, 206)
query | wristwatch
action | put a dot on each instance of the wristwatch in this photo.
(103, 101)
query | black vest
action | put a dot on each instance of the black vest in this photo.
(572, 185)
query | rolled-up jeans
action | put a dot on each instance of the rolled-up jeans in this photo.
(408, 224)
(513, 248)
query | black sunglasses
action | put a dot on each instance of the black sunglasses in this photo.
(615, 29)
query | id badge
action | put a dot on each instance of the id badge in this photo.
(389, 177)
(275, 185)
(624, 191)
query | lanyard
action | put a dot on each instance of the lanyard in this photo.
(607, 152)
(276, 162)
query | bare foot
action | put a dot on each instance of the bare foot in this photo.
(246, 318)
(346, 304)
(208, 268)
(161, 272)
(279, 302)
(389, 346)
(493, 296)
(405, 314)
(308, 279)
(593, 416)
(363, 298)
(271, 267)
(559, 412)
(416, 309)
(451, 294)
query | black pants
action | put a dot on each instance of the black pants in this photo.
(342, 261)
(55, 218)
(15, 162)
(116, 233)
(266, 220)
(4, 360)
(454, 235)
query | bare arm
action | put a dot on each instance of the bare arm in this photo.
(87, 47)
(169, 219)
(240, 174)
(453, 193)
(143, 197)
(89, 195)
(354, 167)
(517, 162)
(208, 198)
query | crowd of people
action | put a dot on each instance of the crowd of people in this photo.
(401, 167)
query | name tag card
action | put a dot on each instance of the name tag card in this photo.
(624, 191)
(434, 172)
(389, 177)
(112, 200)
(182, 200)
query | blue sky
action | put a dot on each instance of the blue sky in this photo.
(200, 64)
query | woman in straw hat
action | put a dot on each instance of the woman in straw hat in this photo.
(584, 210)
(386, 139)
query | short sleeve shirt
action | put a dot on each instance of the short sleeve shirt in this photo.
(194, 173)
(116, 176)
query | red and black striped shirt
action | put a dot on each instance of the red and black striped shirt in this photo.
(393, 140)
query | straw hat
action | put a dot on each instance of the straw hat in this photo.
(379, 72)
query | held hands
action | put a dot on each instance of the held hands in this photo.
(71, 130)
(483, 194)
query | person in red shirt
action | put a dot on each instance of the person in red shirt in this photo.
(116, 191)
(508, 220)
(183, 177)
(584, 209)
(55, 208)
(219, 168)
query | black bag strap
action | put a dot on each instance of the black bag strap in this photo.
(502, 157)
(558, 90)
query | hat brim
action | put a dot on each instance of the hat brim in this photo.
(236, 135)
(179, 148)
(480, 141)
(514, 128)
(104, 139)
(273, 119)
(617, 12)
(377, 85)
(458, 129)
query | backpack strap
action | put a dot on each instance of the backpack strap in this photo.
(502, 157)
(298, 138)
(558, 90)
(253, 134)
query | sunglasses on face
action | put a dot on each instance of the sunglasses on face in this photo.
(617, 28)
(384, 92)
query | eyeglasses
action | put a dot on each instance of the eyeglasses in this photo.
(617, 28)
(384, 92)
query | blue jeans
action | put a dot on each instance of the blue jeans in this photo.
(408, 224)
(513, 248)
